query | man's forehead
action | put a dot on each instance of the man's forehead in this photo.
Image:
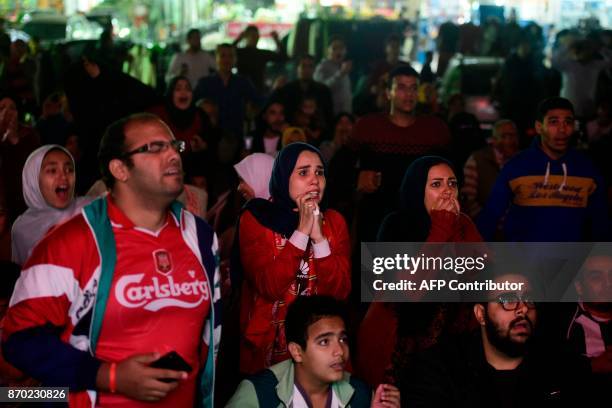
(405, 80)
(559, 113)
(332, 324)
(143, 130)
(598, 263)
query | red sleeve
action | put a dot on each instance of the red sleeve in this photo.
(52, 278)
(442, 223)
(270, 276)
(334, 270)
(471, 232)
(374, 352)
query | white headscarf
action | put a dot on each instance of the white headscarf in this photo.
(256, 170)
(31, 226)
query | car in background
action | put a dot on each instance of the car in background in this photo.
(473, 77)
(51, 28)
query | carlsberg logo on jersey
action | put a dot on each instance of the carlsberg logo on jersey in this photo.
(162, 292)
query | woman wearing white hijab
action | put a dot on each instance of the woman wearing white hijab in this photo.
(255, 171)
(48, 189)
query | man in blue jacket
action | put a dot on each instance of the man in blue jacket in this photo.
(550, 192)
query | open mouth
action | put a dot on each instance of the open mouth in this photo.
(339, 366)
(63, 192)
(173, 172)
(522, 326)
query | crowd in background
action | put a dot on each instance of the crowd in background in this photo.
(371, 135)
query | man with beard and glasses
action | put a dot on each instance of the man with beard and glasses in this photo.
(499, 365)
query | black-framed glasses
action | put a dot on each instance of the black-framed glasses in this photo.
(510, 301)
(158, 147)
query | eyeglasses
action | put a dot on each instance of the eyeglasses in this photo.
(511, 301)
(158, 147)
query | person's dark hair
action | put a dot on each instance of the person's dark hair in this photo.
(191, 32)
(112, 145)
(341, 115)
(336, 38)
(224, 45)
(307, 310)
(393, 38)
(252, 28)
(553, 103)
(402, 70)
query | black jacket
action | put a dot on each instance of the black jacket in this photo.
(455, 373)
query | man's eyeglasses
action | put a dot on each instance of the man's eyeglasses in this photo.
(158, 147)
(511, 301)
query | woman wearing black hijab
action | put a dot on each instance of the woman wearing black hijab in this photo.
(289, 246)
(429, 212)
(182, 116)
(429, 207)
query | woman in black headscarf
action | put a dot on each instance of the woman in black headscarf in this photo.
(429, 207)
(429, 212)
(289, 246)
(186, 121)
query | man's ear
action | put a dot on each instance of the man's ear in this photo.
(118, 169)
(579, 289)
(479, 313)
(296, 352)
(538, 127)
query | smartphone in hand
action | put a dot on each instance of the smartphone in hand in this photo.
(171, 361)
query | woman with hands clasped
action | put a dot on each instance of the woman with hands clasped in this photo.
(290, 246)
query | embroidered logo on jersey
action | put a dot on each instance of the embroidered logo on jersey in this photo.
(162, 292)
(163, 261)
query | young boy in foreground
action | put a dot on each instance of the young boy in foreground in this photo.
(314, 376)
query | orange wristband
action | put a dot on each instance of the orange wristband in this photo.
(112, 378)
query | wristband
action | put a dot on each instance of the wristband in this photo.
(112, 378)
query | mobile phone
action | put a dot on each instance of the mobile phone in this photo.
(171, 361)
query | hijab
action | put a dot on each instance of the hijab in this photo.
(33, 224)
(181, 118)
(278, 214)
(413, 214)
(256, 170)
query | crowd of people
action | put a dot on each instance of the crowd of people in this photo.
(202, 246)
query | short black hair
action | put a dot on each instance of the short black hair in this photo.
(193, 31)
(306, 311)
(402, 70)
(252, 28)
(553, 103)
(341, 115)
(224, 45)
(336, 38)
(112, 145)
(393, 38)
